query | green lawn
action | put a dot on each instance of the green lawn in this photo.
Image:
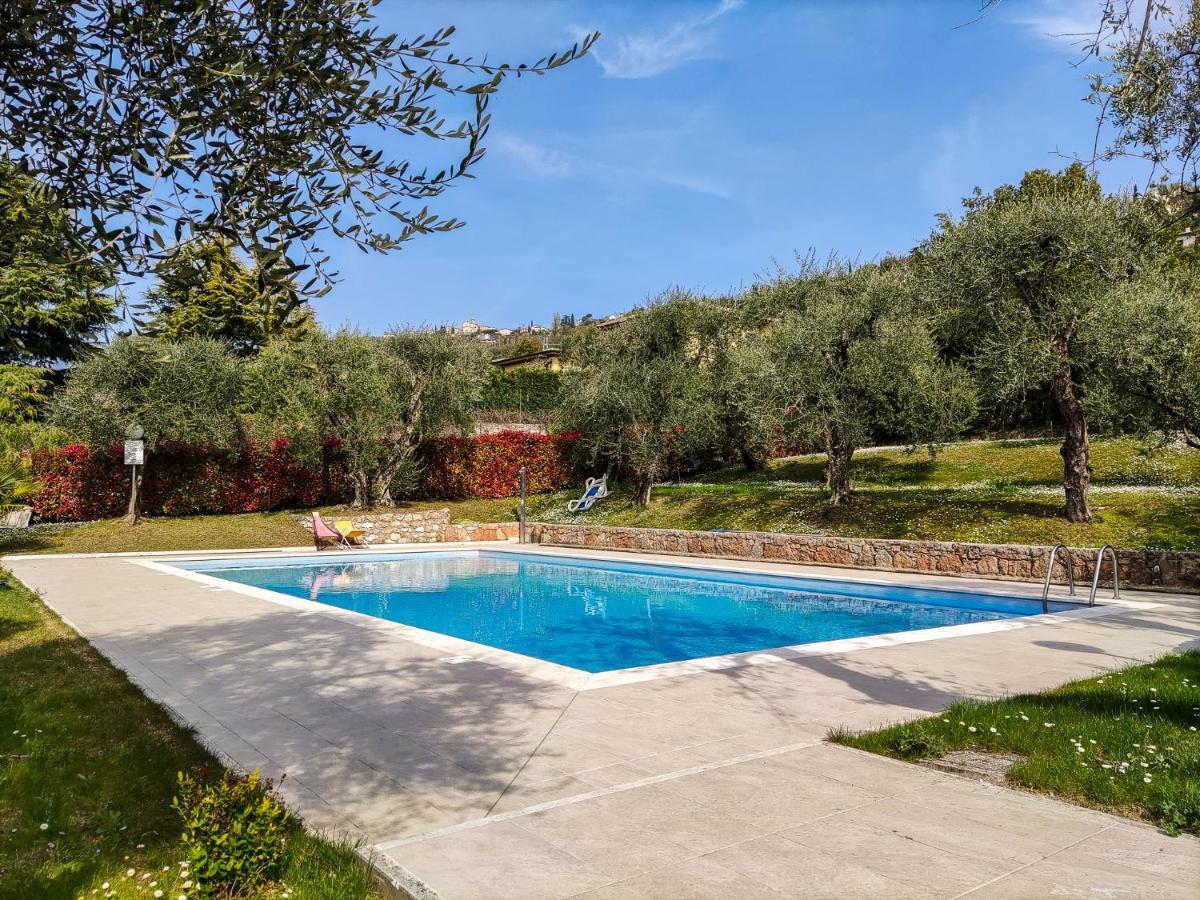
(87, 772)
(233, 532)
(1126, 742)
(986, 492)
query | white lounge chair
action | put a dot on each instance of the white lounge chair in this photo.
(17, 517)
(593, 489)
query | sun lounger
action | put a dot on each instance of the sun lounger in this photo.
(18, 517)
(594, 489)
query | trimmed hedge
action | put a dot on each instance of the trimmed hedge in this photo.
(525, 389)
(488, 466)
(78, 484)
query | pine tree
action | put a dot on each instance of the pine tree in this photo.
(205, 289)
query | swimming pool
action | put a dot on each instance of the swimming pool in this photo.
(600, 615)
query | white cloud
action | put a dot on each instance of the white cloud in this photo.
(535, 160)
(1069, 25)
(648, 53)
(1073, 24)
(549, 164)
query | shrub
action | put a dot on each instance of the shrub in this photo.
(523, 389)
(77, 483)
(488, 466)
(190, 480)
(23, 437)
(916, 745)
(15, 483)
(234, 831)
(1179, 814)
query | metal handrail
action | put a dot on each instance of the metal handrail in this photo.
(521, 507)
(1096, 575)
(1069, 562)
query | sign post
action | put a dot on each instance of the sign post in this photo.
(135, 453)
(135, 458)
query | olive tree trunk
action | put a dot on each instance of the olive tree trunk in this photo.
(363, 498)
(642, 491)
(1076, 450)
(373, 482)
(383, 491)
(752, 460)
(838, 453)
(402, 451)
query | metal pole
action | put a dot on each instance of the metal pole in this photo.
(521, 513)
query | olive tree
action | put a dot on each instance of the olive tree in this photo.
(641, 394)
(1153, 354)
(186, 391)
(735, 376)
(742, 378)
(377, 397)
(274, 123)
(1149, 97)
(1031, 274)
(852, 359)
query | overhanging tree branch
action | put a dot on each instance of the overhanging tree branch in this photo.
(158, 121)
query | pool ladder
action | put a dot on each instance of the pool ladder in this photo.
(1069, 564)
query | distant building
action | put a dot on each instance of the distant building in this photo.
(548, 359)
(487, 334)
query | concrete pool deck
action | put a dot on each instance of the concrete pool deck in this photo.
(473, 778)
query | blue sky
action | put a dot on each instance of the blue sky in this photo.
(703, 143)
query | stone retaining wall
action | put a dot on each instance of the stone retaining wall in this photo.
(497, 427)
(424, 526)
(1009, 562)
(484, 531)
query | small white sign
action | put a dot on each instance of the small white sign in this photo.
(135, 453)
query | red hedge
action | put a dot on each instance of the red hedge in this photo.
(487, 466)
(78, 483)
(181, 479)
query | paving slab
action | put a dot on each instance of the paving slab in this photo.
(479, 779)
(1084, 877)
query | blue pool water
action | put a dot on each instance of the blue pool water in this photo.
(600, 615)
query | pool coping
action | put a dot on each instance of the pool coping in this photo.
(459, 650)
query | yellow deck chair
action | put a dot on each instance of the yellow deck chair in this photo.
(349, 533)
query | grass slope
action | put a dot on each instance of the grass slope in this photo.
(231, 532)
(87, 772)
(1127, 742)
(987, 492)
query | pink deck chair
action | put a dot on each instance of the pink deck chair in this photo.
(324, 535)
